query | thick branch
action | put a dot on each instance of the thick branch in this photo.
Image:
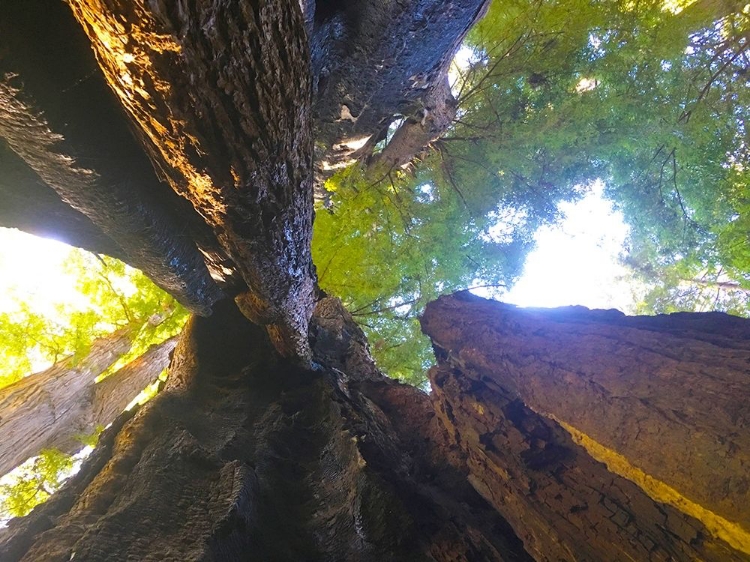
(29, 204)
(220, 95)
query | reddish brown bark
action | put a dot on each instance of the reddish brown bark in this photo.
(57, 115)
(246, 456)
(668, 394)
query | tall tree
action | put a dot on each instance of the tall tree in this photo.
(276, 437)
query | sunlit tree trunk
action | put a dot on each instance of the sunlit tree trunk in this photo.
(58, 407)
(276, 438)
(244, 456)
(47, 409)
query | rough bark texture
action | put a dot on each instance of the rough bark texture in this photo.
(115, 392)
(84, 151)
(245, 456)
(220, 95)
(265, 445)
(376, 61)
(417, 132)
(661, 400)
(43, 410)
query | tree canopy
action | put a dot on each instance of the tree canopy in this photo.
(648, 97)
(548, 97)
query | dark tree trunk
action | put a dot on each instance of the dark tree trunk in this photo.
(374, 62)
(84, 152)
(245, 456)
(279, 439)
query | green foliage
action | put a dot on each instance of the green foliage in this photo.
(33, 482)
(650, 100)
(112, 295)
(556, 95)
(92, 439)
(389, 245)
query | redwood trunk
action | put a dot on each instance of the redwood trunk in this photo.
(42, 411)
(661, 400)
(245, 456)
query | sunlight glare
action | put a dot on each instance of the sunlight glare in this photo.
(31, 270)
(576, 261)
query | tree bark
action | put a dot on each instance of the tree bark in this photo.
(55, 408)
(42, 411)
(30, 205)
(220, 96)
(662, 401)
(245, 456)
(112, 394)
(375, 61)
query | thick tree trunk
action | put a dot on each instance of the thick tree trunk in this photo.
(245, 456)
(662, 401)
(220, 96)
(42, 411)
(373, 62)
(58, 116)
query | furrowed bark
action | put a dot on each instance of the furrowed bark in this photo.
(660, 400)
(43, 410)
(390, 73)
(220, 95)
(115, 392)
(85, 152)
(245, 456)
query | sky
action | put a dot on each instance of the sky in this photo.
(576, 261)
(31, 269)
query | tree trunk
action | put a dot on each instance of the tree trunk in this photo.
(373, 62)
(662, 401)
(43, 410)
(115, 392)
(55, 408)
(245, 456)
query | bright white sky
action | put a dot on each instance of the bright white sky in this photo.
(576, 262)
(31, 270)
